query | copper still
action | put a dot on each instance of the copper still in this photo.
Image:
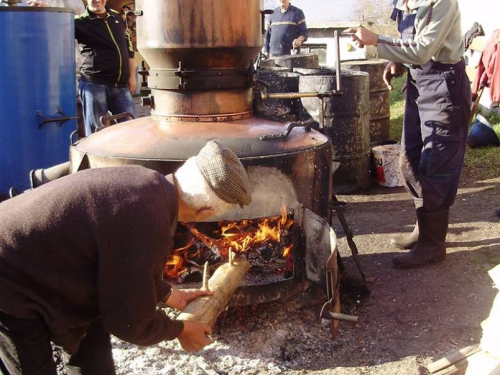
(202, 58)
(201, 76)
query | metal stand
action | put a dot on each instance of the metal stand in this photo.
(338, 207)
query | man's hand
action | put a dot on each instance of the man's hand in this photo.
(36, 3)
(179, 298)
(391, 70)
(297, 42)
(194, 336)
(362, 37)
(132, 84)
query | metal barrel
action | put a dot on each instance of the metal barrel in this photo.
(38, 96)
(345, 119)
(379, 97)
(276, 81)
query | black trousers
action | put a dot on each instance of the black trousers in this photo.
(436, 123)
(26, 349)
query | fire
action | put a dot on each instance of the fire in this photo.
(260, 239)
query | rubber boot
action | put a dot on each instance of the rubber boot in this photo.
(430, 246)
(406, 241)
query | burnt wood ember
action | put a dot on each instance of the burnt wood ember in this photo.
(266, 243)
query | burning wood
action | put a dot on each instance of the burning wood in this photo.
(223, 283)
(266, 243)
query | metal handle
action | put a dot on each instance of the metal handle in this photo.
(61, 119)
(306, 124)
(107, 119)
(343, 317)
(263, 18)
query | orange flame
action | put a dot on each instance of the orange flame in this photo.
(243, 237)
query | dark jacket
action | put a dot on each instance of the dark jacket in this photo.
(105, 46)
(283, 29)
(91, 245)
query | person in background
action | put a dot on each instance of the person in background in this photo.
(107, 71)
(437, 116)
(83, 256)
(286, 30)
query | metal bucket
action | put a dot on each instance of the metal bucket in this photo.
(345, 119)
(277, 81)
(38, 96)
(379, 97)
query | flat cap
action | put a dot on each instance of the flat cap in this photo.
(224, 173)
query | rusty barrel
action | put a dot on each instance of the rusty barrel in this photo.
(302, 60)
(345, 119)
(379, 97)
(277, 80)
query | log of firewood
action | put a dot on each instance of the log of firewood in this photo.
(223, 283)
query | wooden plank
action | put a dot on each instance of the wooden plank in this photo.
(458, 368)
(453, 358)
(483, 363)
(479, 363)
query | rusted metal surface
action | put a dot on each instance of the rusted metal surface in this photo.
(345, 119)
(158, 139)
(379, 96)
(201, 102)
(199, 33)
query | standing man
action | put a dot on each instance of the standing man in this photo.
(437, 116)
(82, 257)
(286, 30)
(107, 73)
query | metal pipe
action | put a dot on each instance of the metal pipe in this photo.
(337, 62)
(297, 95)
(39, 177)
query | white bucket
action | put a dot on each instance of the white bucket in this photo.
(386, 158)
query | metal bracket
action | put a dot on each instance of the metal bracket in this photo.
(201, 79)
(61, 119)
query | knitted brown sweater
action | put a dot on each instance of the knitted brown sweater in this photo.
(91, 245)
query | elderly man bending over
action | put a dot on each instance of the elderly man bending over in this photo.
(82, 257)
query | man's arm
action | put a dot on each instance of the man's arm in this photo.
(132, 80)
(267, 39)
(302, 30)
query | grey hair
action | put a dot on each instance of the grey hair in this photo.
(195, 191)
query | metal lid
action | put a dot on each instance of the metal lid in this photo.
(155, 139)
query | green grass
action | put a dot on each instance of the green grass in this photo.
(482, 163)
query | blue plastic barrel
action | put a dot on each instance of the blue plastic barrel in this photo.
(38, 92)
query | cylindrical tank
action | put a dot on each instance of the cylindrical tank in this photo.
(175, 32)
(38, 96)
(276, 81)
(345, 119)
(303, 60)
(379, 97)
